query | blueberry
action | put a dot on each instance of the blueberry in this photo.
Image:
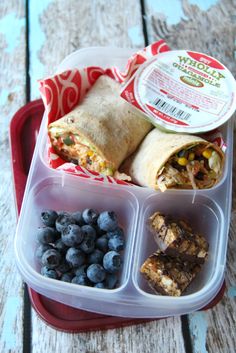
(75, 257)
(72, 235)
(96, 273)
(87, 245)
(107, 221)
(99, 285)
(82, 280)
(64, 220)
(90, 216)
(95, 257)
(63, 267)
(41, 249)
(47, 235)
(116, 243)
(61, 246)
(67, 277)
(102, 243)
(111, 280)
(78, 218)
(112, 261)
(116, 232)
(99, 231)
(51, 258)
(81, 270)
(49, 217)
(48, 272)
(88, 231)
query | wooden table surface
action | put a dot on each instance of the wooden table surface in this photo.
(34, 37)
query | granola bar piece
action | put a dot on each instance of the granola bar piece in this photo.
(167, 275)
(177, 239)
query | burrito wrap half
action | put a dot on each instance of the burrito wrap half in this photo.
(106, 122)
(155, 151)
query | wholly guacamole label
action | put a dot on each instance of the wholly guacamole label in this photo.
(183, 91)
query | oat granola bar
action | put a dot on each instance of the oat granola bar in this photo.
(177, 239)
(167, 275)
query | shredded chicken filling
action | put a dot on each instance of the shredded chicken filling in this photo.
(80, 151)
(197, 167)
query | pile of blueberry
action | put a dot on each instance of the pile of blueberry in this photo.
(81, 247)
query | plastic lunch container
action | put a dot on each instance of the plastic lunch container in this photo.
(207, 210)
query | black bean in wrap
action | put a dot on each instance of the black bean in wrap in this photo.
(155, 151)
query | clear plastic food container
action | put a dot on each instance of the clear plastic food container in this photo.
(207, 210)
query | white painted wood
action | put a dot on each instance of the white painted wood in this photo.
(12, 97)
(57, 28)
(157, 336)
(190, 26)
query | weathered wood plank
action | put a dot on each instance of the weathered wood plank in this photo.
(157, 336)
(191, 27)
(208, 27)
(80, 24)
(57, 28)
(12, 97)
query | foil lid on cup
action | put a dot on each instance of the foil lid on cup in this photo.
(183, 91)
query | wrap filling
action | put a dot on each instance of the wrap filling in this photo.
(196, 167)
(79, 150)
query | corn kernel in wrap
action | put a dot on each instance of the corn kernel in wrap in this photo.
(180, 161)
(101, 131)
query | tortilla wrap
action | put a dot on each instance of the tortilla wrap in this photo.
(106, 124)
(157, 148)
